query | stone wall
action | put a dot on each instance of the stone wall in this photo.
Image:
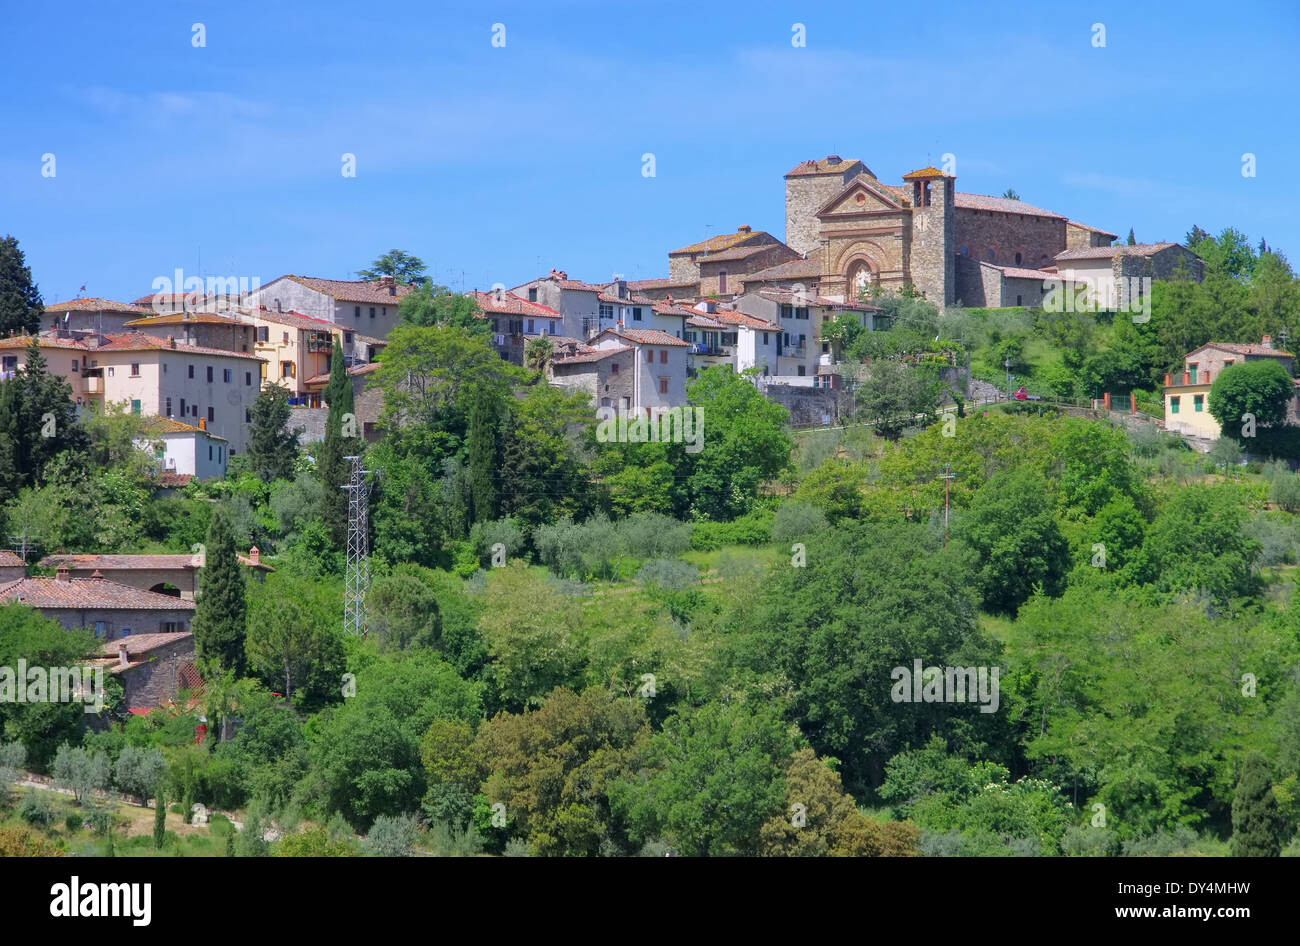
(930, 262)
(367, 404)
(808, 406)
(977, 286)
(1036, 239)
(157, 679)
(805, 194)
(152, 621)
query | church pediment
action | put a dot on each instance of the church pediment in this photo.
(860, 195)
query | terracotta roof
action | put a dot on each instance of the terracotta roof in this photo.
(1105, 252)
(703, 321)
(672, 308)
(739, 252)
(1020, 272)
(924, 173)
(591, 354)
(1243, 349)
(831, 164)
(562, 280)
(511, 304)
(89, 593)
(645, 336)
(1000, 205)
(181, 318)
(350, 290)
(1084, 226)
(795, 269)
(93, 304)
(138, 341)
(355, 370)
(165, 425)
(723, 241)
(171, 480)
(296, 320)
(749, 321)
(630, 300)
(43, 340)
(83, 561)
(663, 284)
(9, 559)
(143, 643)
(817, 301)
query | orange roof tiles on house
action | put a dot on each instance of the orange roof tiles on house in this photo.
(591, 354)
(1104, 252)
(10, 559)
(162, 426)
(138, 341)
(723, 241)
(668, 307)
(355, 370)
(182, 318)
(352, 290)
(924, 173)
(94, 304)
(83, 561)
(1244, 349)
(295, 319)
(45, 340)
(831, 164)
(629, 300)
(1000, 205)
(1084, 226)
(88, 593)
(169, 480)
(1020, 272)
(703, 321)
(645, 336)
(749, 321)
(510, 304)
(811, 300)
(662, 284)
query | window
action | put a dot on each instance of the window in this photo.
(663, 356)
(613, 369)
(347, 338)
(110, 371)
(191, 370)
(262, 333)
(248, 416)
(1017, 300)
(356, 311)
(636, 314)
(532, 295)
(286, 338)
(1017, 259)
(372, 312)
(164, 364)
(248, 379)
(606, 311)
(183, 411)
(1191, 370)
(286, 369)
(212, 414)
(531, 330)
(74, 366)
(787, 311)
(227, 375)
(663, 385)
(1198, 402)
(135, 369)
(209, 451)
(722, 280)
(194, 410)
(262, 371)
(135, 406)
(650, 355)
(765, 334)
(802, 370)
(1173, 404)
(993, 254)
(101, 628)
(169, 407)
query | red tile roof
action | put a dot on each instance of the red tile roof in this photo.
(1084, 226)
(924, 173)
(1020, 272)
(831, 164)
(295, 320)
(723, 241)
(511, 304)
(561, 279)
(143, 643)
(355, 370)
(172, 480)
(161, 426)
(1105, 252)
(351, 290)
(645, 336)
(811, 300)
(139, 341)
(9, 559)
(663, 284)
(591, 354)
(181, 318)
(749, 321)
(82, 561)
(1000, 205)
(93, 304)
(1242, 349)
(629, 300)
(89, 593)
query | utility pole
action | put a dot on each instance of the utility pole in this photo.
(22, 544)
(1007, 364)
(947, 478)
(356, 580)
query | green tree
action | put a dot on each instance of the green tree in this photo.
(531, 633)
(21, 307)
(159, 818)
(537, 354)
(1262, 388)
(429, 305)
(26, 634)
(272, 447)
(1132, 241)
(402, 612)
(138, 770)
(221, 610)
(484, 436)
(80, 770)
(402, 266)
(893, 396)
(1011, 528)
(1256, 824)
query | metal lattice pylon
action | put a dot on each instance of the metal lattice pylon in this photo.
(357, 579)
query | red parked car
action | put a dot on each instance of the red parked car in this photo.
(1021, 394)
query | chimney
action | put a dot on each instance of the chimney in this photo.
(744, 228)
(62, 573)
(123, 658)
(1168, 378)
(203, 423)
(832, 159)
(254, 556)
(1268, 341)
(1187, 377)
(171, 341)
(96, 574)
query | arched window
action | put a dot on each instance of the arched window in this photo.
(860, 278)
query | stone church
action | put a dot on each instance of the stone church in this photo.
(845, 230)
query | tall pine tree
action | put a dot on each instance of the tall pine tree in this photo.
(1256, 822)
(220, 613)
(333, 469)
(272, 449)
(484, 446)
(21, 307)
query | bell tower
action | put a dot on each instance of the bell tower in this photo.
(931, 264)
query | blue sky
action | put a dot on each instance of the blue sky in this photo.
(495, 164)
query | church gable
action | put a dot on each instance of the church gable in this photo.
(862, 195)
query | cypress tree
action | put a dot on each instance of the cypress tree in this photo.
(334, 470)
(220, 612)
(1256, 822)
(21, 307)
(272, 449)
(159, 819)
(484, 437)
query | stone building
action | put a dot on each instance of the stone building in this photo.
(109, 609)
(11, 567)
(174, 575)
(606, 375)
(152, 668)
(1103, 269)
(368, 306)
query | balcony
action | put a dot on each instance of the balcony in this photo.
(704, 348)
(92, 382)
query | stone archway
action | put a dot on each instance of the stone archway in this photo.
(859, 277)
